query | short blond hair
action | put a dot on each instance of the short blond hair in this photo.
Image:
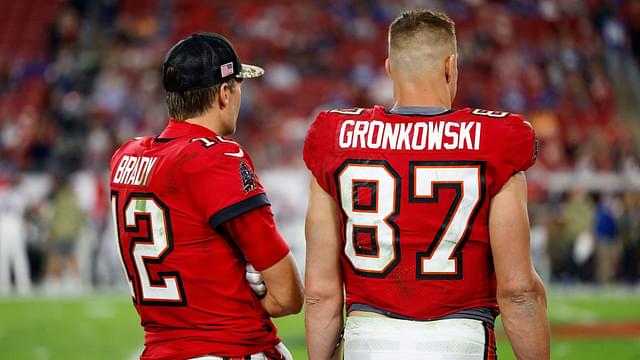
(423, 28)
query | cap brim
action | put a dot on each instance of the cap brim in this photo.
(250, 71)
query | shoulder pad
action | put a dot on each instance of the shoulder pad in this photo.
(206, 142)
(214, 144)
(140, 140)
(205, 151)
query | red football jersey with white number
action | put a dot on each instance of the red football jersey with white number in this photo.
(169, 194)
(414, 191)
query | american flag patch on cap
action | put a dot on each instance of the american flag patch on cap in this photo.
(226, 69)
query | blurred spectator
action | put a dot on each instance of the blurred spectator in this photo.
(578, 223)
(566, 60)
(632, 16)
(65, 225)
(630, 237)
(607, 241)
(13, 246)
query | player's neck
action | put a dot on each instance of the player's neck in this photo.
(420, 98)
(421, 103)
(210, 121)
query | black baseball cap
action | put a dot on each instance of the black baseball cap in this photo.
(203, 60)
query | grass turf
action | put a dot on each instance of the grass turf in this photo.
(106, 327)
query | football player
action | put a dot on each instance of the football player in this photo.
(205, 263)
(420, 212)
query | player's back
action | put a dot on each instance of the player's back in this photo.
(414, 188)
(186, 278)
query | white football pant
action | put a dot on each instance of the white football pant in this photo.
(377, 338)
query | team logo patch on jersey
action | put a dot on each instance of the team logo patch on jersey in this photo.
(249, 179)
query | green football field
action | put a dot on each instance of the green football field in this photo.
(106, 327)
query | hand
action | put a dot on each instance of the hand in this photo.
(254, 278)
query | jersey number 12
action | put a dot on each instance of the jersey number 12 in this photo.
(147, 245)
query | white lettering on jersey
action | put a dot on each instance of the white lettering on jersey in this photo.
(359, 133)
(346, 135)
(134, 170)
(465, 136)
(390, 137)
(452, 135)
(420, 138)
(433, 135)
(375, 129)
(476, 143)
(405, 130)
(435, 138)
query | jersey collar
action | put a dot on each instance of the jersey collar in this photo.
(177, 129)
(419, 110)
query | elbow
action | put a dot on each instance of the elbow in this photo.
(521, 292)
(295, 305)
(286, 308)
(326, 297)
(289, 305)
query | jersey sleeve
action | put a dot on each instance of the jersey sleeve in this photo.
(226, 186)
(517, 151)
(256, 235)
(314, 146)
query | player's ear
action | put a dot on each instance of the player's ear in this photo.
(387, 67)
(450, 67)
(223, 95)
(451, 74)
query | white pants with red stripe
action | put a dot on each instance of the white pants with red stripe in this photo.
(378, 338)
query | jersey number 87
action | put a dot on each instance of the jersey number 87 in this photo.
(442, 259)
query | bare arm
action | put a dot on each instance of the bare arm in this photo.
(284, 288)
(323, 277)
(521, 295)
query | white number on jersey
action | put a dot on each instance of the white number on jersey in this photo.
(443, 258)
(354, 111)
(373, 216)
(490, 113)
(155, 243)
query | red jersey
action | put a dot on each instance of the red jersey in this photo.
(414, 191)
(171, 196)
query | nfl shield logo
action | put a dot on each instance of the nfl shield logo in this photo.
(226, 69)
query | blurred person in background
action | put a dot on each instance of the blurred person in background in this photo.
(607, 240)
(206, 264)
(65, 224)
(629, 224)
(577, 216)
(427, 241)
(13, 246)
